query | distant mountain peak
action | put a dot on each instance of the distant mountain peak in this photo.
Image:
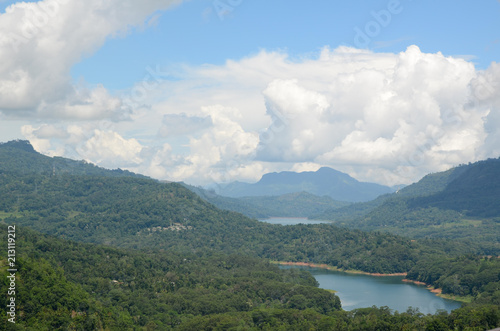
(323, 182)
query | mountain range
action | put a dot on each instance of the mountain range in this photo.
(298, 204)
(323, 182)
(178, 262)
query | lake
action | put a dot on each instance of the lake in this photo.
(361, 291)
(292, 220)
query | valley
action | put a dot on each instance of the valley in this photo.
(101, 238)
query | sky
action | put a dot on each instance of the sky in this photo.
(214, 91)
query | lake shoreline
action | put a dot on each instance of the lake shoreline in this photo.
(439, 292)
(432, 289)
(329, 267)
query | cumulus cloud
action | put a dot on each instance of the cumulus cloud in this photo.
(40, 42)
(297, 115)
(381, 111)
(383, 117)
(223, 151)
(104, 147)
(112, 150)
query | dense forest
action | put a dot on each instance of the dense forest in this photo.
(461, 203)
(142, 213)
(67, 285)
(180, 262)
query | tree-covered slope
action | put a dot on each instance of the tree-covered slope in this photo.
(198, 268)
(432, 183)
(143, 213)
(66, 285)
(428, 185)
(20, 157)
(475, 192)
(461, 203)
(350, 212)
(299, 204)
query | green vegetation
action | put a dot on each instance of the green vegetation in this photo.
(65, 285)
(300, 204)
(351, 212)
(19, 156)
(462, 203)
(178, 262)
(142, 213)
(476, 192)
(464, 276)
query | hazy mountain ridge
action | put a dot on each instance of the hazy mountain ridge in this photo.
(326, 181)
(298, 204)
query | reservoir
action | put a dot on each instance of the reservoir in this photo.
(361, 291)
(292, 220)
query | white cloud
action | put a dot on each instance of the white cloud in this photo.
(389, 118)
(104, 147)
(223, 151)
(112, 150)
(41, 41)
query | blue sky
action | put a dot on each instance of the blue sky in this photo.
(193, 33)
(218, 90)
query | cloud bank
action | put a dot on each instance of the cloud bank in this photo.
(41, 41)
(383, 117)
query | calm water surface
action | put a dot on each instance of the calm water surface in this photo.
(292, 220)
(360, 291)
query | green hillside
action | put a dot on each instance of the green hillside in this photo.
(433, 183)
(475, 192)
(64, 285)
(298, 204)
(67, 285)
(143, 213)
(350, 212)
(20, 157)
(179, 262)
(461, 203)
(428, 185)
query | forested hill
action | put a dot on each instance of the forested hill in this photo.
(433, 183)
(176, 272)
(64, 285)
(144, 213)
(428, 185)
(463, 202)
(475, 191)
(20, 156)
